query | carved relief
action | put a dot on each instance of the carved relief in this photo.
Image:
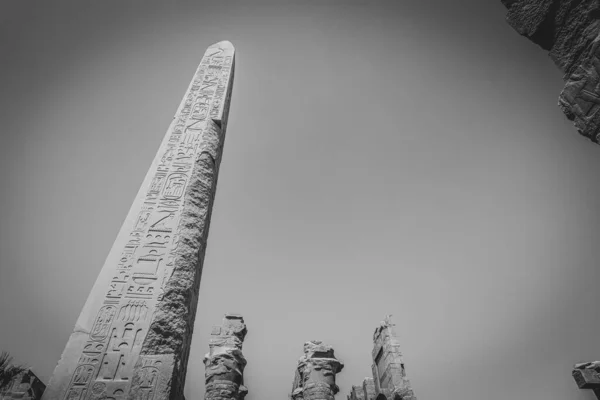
(105, 365)
(98, 391)
(103, 321)
(134, 310)
(79, 382)
(175, 186)
(147, 379)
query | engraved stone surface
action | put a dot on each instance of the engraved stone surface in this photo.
(570, 32)
(315, 375)
(24, 386)
(225, 362)
(133, 336)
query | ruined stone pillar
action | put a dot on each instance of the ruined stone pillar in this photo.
(225, 362)
(356, 393)
(133, 336)
(389, 374)
(587, 376)
(369, 389)
(315, 375)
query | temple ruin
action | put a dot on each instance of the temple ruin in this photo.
(389, 380)
(315, 374)
(225, 362)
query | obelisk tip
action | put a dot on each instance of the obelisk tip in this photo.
(224, 44)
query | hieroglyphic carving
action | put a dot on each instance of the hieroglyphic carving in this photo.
(580, 98)
(103, 322)
(225, 362)
(105, 365)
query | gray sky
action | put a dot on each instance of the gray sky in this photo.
(402, 157)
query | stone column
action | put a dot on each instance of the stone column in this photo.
(356, 393)
(587, 376)
(315, 375)
(369, 389)
(225, 362)
(133, 336)
(389, 374)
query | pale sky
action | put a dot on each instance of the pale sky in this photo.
(382, 157)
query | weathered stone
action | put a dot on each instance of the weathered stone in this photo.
(389, 374)
(24, 386)
(369, 389)
(315, 375)
(587, 376)
(569, 30)
(225, 362)
(356, 393)
(133, 336)
(389, 380)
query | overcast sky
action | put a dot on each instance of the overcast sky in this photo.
(401, 157)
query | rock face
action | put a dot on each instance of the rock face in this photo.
(315, 375)
(133, 336)
(356, 393)
(225, 362)
(25, 386)
(569, 30)
(389, 380)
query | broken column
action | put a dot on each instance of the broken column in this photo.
(389, 374)
(133, 336)
(369, 389)
(587, 376)
(225, 362)
(315, 375)
(356, 393)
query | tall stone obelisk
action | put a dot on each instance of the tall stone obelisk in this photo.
(133, 336)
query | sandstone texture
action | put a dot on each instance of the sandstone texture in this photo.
(133, 336)
(315, 375)
(389, 380)
(24, 386)
(569, 30)
(225, 362)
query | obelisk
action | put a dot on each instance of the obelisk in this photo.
(133, 336)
